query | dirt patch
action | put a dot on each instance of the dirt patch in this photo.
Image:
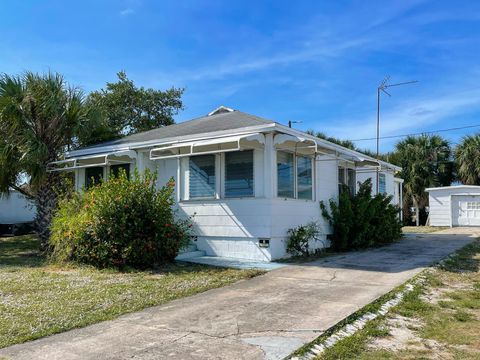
(403, 336)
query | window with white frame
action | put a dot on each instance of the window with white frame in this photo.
(221, 175)
(202, 176)
(382, 183)
(239, 180)
(294, 176)
(346, 176)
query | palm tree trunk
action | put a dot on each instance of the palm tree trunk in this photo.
(46, 201)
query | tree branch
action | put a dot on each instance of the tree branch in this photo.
(22, 191)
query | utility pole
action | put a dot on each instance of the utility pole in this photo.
(384, 85)
(290, 122)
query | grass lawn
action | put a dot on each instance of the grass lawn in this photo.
(39, 299)
(423, 229)
(439, 319)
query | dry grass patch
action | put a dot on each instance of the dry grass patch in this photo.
(422, 229)
(38, 299)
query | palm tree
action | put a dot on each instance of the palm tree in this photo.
(425, 161)
(39, 117)
(467, 158)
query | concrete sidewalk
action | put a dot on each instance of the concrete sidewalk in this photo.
(267, 317)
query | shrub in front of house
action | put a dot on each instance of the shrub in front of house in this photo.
(362, 220)
(119, 223)
(301, 237)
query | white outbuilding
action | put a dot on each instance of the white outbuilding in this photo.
(454, 205)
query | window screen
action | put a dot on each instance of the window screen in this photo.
(202, 176)
(93, 176)
(382, 186)
(285, 174)
(239, 174)
(304, 178)
(115, 170)
(351, 180)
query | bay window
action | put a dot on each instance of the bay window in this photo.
(294, 176)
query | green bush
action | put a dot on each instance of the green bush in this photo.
(299, 238)
(118, 223)
(361, 221)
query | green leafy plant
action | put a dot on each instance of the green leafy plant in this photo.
(300, 238)
(360, 221)
(118, 223)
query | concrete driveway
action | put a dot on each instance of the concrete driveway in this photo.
(267, 317)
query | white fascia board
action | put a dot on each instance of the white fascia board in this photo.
(170, 141)
(454, 187)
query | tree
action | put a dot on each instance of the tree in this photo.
(128, 109)
(426, 162)
(345, 143)
(40, 116)
(467, 158)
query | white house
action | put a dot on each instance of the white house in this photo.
(454, 205)
(15, 209)
(247, 179)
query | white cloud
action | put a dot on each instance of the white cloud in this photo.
(127, 11)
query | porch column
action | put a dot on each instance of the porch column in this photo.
(269, 167)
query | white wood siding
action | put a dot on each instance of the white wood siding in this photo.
(16, 209)
(439, 205)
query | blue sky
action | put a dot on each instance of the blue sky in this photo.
(313, 61)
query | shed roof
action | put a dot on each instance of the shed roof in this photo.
(454, 187)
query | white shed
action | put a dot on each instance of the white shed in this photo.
(16, 209)
(454, 205)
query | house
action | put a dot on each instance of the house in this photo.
(15, 212)
(246, 179)
(454, 205)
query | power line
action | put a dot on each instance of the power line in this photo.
(419, 133)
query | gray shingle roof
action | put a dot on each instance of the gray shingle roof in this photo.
(205, 124)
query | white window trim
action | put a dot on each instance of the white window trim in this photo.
(295, 177)
(220, 176)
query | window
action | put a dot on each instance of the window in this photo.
(304, 178)
(285, 175)
(239, 174)
(93, 176)
(473, 205)
(346, 176)
(115, 169)
(202, 176)
(351, 180)
(294, 176)
(382, 185)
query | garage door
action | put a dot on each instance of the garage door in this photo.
(466, 210)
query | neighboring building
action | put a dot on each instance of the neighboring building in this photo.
(247, 180)
(15, 209)
(454, 205)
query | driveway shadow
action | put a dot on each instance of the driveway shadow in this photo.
(412, 252)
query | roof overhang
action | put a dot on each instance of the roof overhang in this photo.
(111, 158)
(210, 146)
(298, 144)
(454, 187)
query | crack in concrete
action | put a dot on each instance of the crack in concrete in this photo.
(334, 276)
